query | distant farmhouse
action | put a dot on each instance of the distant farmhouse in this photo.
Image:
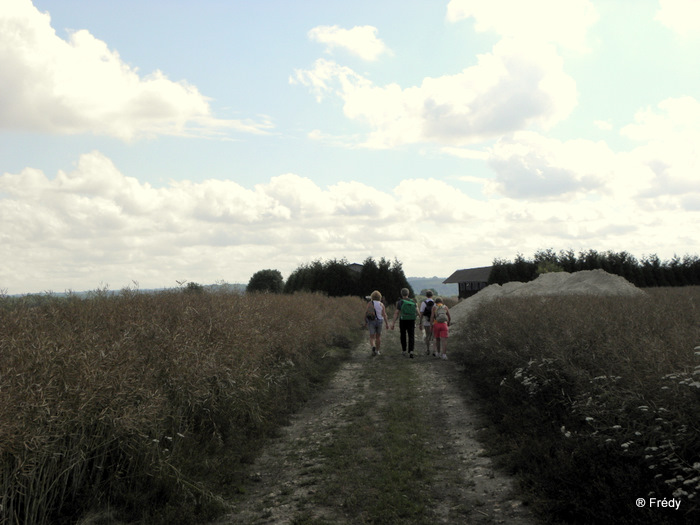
(470, 280)
(355, 267)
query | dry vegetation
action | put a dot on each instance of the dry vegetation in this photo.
(150, 401)
(596, 400)
(151, 404)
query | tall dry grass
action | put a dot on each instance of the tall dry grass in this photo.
(595, 400)
(149, 400)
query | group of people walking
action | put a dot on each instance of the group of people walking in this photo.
(433, 318)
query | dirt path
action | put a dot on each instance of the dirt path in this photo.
(463, 486)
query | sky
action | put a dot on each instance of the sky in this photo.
(144, 144)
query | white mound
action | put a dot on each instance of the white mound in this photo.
(588, 282)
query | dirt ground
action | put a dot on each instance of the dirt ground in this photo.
(467, 487)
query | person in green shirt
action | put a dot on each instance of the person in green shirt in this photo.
(407, 313)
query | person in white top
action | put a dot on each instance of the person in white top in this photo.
(375, 314)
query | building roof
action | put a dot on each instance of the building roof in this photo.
(355, 267)
(480, 275)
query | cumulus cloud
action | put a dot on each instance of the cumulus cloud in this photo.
(530, 166)
(361, 41)
(511, 88)
(680, 16)
(668, 137)
(95, 225)
(79, 85)
(552, 21)
(521, 84)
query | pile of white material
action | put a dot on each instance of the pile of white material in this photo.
(588, 282)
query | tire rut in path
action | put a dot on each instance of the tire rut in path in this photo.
(465, 486)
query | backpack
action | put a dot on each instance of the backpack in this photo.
(408, 310)
(370, 313)
(441, 314)
(428, 308)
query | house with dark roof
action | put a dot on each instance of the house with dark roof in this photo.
(470, 281)
(355, 267)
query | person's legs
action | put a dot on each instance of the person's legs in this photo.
(372, 325)
(428, 338)
(402, 334)
(436, 336)
(411, 332)
(442, 333)
(378, 337)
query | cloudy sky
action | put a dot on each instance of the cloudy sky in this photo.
(172, 140)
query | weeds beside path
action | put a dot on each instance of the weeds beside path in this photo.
(390, 440)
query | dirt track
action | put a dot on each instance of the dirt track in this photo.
(464, 489)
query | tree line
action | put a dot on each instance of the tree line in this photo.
(649, 271)
(336, 278)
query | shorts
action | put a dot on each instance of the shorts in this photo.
(375, 326)
(441, 330)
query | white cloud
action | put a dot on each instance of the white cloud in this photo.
(465, 153)
(512, 88)
(79, 85)
(551, 21)
(361, 41)
(676, 117)
(669, 137)
(531, 166)
(680, 16)
(95, 225)
(521, 84)
(604, 125)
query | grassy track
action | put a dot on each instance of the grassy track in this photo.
(390, 441)
(379, 465)
(363, 452)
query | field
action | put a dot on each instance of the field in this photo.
(151, 401)
(149, 408)
(595, 401)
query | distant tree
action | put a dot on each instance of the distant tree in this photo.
(335, 278)
(370, 276)
(524, 270)
(500, 271)
(194, 288)
(548, 267)
(339, 280)
(649, 271)
(266, 281)
(590, 260)
(567, 260)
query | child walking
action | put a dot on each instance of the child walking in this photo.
(440, 320)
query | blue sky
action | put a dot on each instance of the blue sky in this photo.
(155, 142)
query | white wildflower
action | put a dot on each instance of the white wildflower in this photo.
(679, 492)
